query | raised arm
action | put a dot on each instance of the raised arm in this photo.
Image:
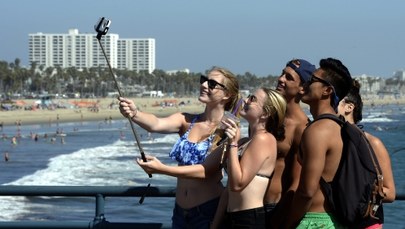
(150, 122)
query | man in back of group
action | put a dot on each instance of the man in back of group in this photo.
(286, 174)
(321, 146)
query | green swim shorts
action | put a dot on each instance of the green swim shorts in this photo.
(318, 220)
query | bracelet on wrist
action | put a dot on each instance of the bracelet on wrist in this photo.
(233, 145)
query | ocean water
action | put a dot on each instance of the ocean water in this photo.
(103, 153)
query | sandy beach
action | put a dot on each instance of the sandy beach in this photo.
(107, 108)
(94, 110)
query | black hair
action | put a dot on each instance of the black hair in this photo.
(354, 97)
(337, 75)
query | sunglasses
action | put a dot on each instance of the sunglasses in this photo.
(317, 79)
(335, 98)
(212, 84)
(251, 99)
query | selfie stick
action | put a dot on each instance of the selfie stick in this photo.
(101, 28)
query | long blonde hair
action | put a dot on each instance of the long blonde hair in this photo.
(234, 103)
(275, 106)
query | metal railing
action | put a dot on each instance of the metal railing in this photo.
(99, 192)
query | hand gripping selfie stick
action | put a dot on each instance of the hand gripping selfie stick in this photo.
(101, 28)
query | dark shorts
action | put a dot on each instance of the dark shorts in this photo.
(251, 218)
(269, 209)
(196, 217)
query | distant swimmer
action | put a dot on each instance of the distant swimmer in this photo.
(122, 135)
(378, 128)
(14, 140)
(150, 138)
(6, 157)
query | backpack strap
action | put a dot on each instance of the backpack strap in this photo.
(325, 186)
(340, 120)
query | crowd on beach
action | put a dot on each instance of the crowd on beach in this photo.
(274, 173)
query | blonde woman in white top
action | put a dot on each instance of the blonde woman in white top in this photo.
(251, 161)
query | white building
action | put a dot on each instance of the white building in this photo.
(400, 74)
(83, 51)
(136, 54)
(369, 84)
(172, 72)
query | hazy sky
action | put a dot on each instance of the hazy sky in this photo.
(256, 36)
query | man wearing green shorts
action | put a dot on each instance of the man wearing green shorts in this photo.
(321, 146)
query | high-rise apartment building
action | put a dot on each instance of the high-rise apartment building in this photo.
(136, 54)
(83, 51)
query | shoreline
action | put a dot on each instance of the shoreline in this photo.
(94, 110)
(82, 109)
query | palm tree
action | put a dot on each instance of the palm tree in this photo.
(5, 75)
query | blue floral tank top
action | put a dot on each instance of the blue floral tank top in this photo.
(190, 153)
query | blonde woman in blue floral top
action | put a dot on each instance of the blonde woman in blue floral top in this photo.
(196, 199)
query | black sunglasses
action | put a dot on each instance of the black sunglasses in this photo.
(335, 98)
(317, 79)
(251, 98)
(211, 83)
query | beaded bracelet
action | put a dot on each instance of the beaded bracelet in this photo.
(233, 145)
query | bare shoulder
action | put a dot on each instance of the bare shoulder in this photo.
(377, 144)
(297, 121)
(373, 139)
(323, 127)
(182, 120)
(263, 142)
(294, 127)
(265, 137)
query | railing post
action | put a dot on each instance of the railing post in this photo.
(99, 192)
(99, 216)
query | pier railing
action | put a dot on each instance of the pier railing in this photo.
(99, 193)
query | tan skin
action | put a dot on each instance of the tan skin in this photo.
(383, 157)
(245, 190)
(320, 155)
(287, 171)
(189, 192)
